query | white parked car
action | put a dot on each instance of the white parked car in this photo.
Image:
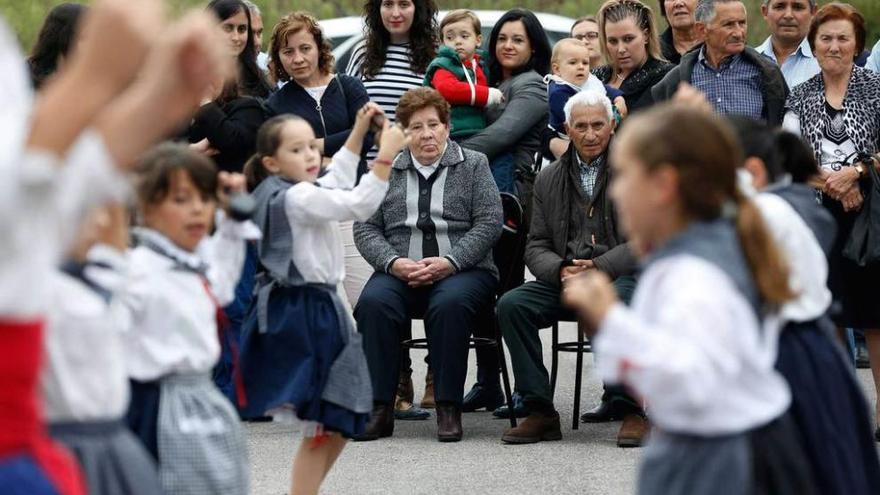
(345, 32)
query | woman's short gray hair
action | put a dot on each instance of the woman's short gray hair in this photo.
(588, 98)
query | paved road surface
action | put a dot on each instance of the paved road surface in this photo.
(411, 462)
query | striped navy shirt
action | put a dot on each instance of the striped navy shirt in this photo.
(393, 79)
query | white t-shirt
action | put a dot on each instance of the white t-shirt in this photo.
(317, 93)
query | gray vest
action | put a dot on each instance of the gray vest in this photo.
(348, 384)
(717, 243)
(276, 245)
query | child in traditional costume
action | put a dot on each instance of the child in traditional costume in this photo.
(301, 358)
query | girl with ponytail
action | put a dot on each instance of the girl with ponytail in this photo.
(698, 343)
(828, 405)
(301, 359)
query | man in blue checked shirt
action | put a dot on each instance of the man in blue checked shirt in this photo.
(787, 45)
(734, 78)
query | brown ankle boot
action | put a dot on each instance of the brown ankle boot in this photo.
(535, 428)
(633, 431)
(448, 422)
(428, 398)
(381, 424)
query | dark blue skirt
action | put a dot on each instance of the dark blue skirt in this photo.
(829, 410)
(290, 363)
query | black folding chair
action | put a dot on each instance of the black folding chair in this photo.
(580, 346)
(508, 255)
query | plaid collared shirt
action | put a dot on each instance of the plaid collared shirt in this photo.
(589, 174)
(734, 88)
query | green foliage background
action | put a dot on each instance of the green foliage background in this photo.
(26, 16)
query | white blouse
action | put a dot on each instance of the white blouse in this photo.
(169, 315)
(808, 267)
(690, 345)
(84, 378)
(314, 214)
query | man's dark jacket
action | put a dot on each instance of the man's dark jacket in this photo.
(555, 195)
(775, 89)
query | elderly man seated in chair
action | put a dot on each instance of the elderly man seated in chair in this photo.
(573, 230)
(431, 245)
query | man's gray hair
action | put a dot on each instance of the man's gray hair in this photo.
(252, 7)
(813, 3)
(588, 98)
(705, 11)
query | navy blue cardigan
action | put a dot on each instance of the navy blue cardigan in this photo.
(338, 112)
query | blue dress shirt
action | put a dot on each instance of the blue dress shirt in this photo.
(798, 67)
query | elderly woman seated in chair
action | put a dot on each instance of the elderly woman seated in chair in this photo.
(431, 245)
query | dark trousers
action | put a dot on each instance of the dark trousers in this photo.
(525, 310)
(384, 313)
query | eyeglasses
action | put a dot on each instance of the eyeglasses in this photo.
(593, 35)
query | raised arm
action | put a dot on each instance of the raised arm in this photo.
(188, 57)
(306, 203)
(116, 39)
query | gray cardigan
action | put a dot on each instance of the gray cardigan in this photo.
(515, 125)
(457, 211)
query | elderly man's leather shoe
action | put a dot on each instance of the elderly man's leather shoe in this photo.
(633, 431)
(448, 422)
(535, 428)
(381, 424)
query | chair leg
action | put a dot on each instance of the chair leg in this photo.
(554, 360)
(578, 370)
(505, 378)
